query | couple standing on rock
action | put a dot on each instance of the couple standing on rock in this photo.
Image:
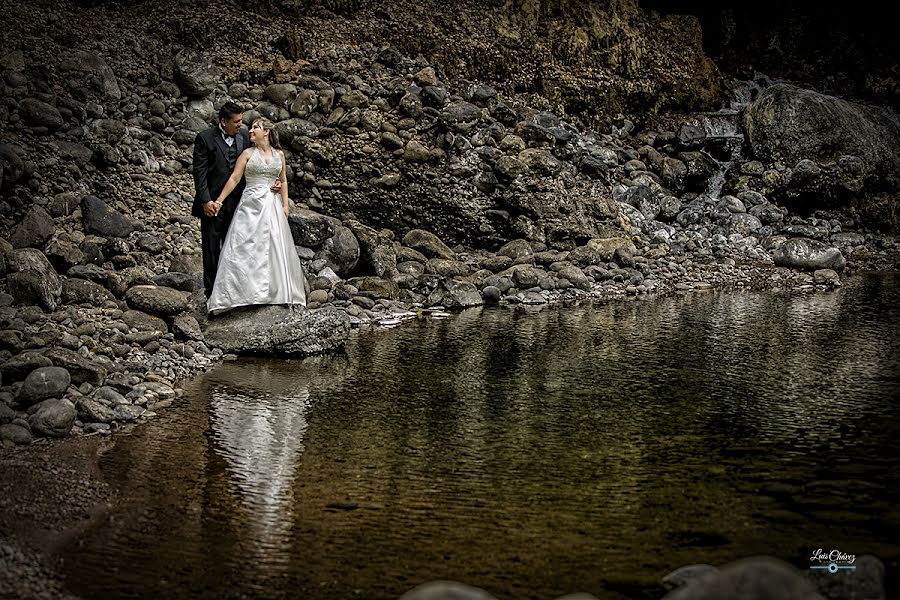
(248, 251)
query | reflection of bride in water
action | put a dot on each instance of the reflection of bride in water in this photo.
(258, 429)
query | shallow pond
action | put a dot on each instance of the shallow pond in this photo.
(591, 448)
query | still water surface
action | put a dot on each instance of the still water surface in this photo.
(533, 454)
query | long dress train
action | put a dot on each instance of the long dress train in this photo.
(258, 264)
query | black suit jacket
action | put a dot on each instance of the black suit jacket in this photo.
(211, 170)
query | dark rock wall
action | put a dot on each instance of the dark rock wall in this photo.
(846, 49)
(587, 61)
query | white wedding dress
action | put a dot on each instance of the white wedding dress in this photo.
(258, 263)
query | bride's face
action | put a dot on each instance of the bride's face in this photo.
(258, 133)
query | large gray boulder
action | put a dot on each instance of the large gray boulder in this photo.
(43, 383)
(53, 418)
(34, 230)
(156, 300)
(341, 251)
(40, 114)
(101, 219)
(309, 228)
(92, 65)
(800, 253)
(278, 330)
(788, 124)
(195, 75)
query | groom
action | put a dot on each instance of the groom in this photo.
(215, 153)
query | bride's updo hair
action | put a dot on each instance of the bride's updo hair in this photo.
(270, 127)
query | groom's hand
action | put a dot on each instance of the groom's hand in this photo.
(210, 209)
(277, 187)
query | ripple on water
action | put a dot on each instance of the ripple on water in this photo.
(533, 454)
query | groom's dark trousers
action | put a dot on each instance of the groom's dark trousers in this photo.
(214, 161)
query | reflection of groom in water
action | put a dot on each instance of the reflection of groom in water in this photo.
(216, 151)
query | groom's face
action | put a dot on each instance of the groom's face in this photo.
(232, 124)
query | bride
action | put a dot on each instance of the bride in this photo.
(258, 264)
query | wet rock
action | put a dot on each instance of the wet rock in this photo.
(186, 263)
(43, 383)
(155, 390)
(278, 330)
(865, 582)
(90, 410)
(186, 327)
(755, 578)
(141, 321)
(827, 277)
(446, 590)
(540, 161)
(767, 213)
(127, 412)
(377, 248)
(63, 254)
(73, 151)
(111, 397)
(700, 168)
(689, 136)
(685, 575)
(575, 276)
(515, 249)
(80, 368)
(12, 167)
(382, 288)
(597, 251)
(497, 263)
(53, 418)
(309, 228)
(454, 294)
(447, 268)
(19, 366)
(524, 276)
(15, 434)
(491, 293)
(7, 415)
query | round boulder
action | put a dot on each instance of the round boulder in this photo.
(156, 300)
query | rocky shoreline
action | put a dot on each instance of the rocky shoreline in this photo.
(414, 194)
(101, 311)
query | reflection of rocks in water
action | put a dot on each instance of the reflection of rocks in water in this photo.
(260, 436)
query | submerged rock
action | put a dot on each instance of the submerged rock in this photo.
(278, 330)
(757, 578)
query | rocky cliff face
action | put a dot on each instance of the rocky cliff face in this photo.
(587, 61)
